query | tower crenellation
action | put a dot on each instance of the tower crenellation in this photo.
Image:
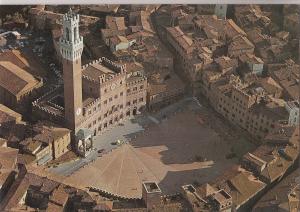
(71, 43)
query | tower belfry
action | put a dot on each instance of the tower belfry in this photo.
(71, 47)
(221, 10)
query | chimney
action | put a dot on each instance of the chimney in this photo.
(151, 194)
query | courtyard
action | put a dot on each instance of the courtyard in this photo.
(182, 144)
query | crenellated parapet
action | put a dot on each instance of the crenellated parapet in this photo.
(119, 70)
(92, 104)
(89, 79)
(71, 43)
(42, 105)
(113, 78)
(91, 63)
(46, 110)
(114, 66)
(70, 16)
(135, 82)
(108, 63)
(52, 90)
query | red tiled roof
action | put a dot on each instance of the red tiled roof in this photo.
(16, 80)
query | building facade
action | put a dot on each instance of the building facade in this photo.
(97, 95)
(17, 87)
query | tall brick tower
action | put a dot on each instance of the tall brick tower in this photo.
(71, 47)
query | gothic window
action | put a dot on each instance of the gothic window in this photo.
(67, 34)
(75, 33)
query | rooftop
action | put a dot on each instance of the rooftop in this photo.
(95, 70)
(265, 153)
(8, 157)
(115, 23)
(221, 196)
(241, 193)
(220, 26)
(105, 8)
(205, 190)
(133, 67)
(118, 39)
(240, 42)
(178, 35)
(273, 109)
(226, 62)
(250, 58)
(59, 196)
(278, 196)
(281, 134)
(171, 83)
(288, 78)
(16, 80)
(151, 187)
(7, 115)
(143, 19)
(49, 134)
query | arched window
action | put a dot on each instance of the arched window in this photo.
(75, 33)
(67, 34)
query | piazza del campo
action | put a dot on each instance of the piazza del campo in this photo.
(142, 108)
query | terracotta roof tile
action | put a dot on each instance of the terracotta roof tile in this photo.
(16, 80)
(115, 23)
(8, 157)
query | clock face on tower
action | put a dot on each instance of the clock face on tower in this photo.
(78, 111)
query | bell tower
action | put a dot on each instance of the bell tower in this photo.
(71, 47)
(221, 11)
